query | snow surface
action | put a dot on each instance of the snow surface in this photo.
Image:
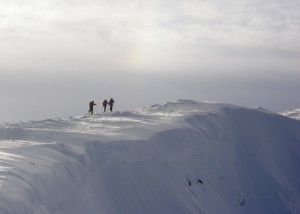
(292, 114)
(177, 158)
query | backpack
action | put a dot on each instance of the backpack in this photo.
(105, 102)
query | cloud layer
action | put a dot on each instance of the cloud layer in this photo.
(142, 34)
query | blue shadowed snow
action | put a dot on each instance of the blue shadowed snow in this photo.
(180, 157)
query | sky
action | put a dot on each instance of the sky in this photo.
(56, 56)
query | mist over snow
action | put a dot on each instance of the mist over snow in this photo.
(181, 157)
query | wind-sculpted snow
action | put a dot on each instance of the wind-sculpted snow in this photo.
(181, 157)
(292, 114)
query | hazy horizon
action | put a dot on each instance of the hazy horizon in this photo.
(56, 56)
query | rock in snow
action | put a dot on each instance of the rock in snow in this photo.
(183, 157)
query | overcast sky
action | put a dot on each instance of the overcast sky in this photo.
(57, 55)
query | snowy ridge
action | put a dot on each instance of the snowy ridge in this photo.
(180, 157)
(292, 114)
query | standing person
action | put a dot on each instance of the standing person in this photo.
(92, 104)
(105, 102)
(111, 103)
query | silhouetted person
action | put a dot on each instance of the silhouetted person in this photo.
(105, 102)
(92, 104)
(111, 103)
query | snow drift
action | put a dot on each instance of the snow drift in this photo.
(292, 114)
(181, 157)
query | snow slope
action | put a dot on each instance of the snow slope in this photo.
(177, 158)
(292, 114)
